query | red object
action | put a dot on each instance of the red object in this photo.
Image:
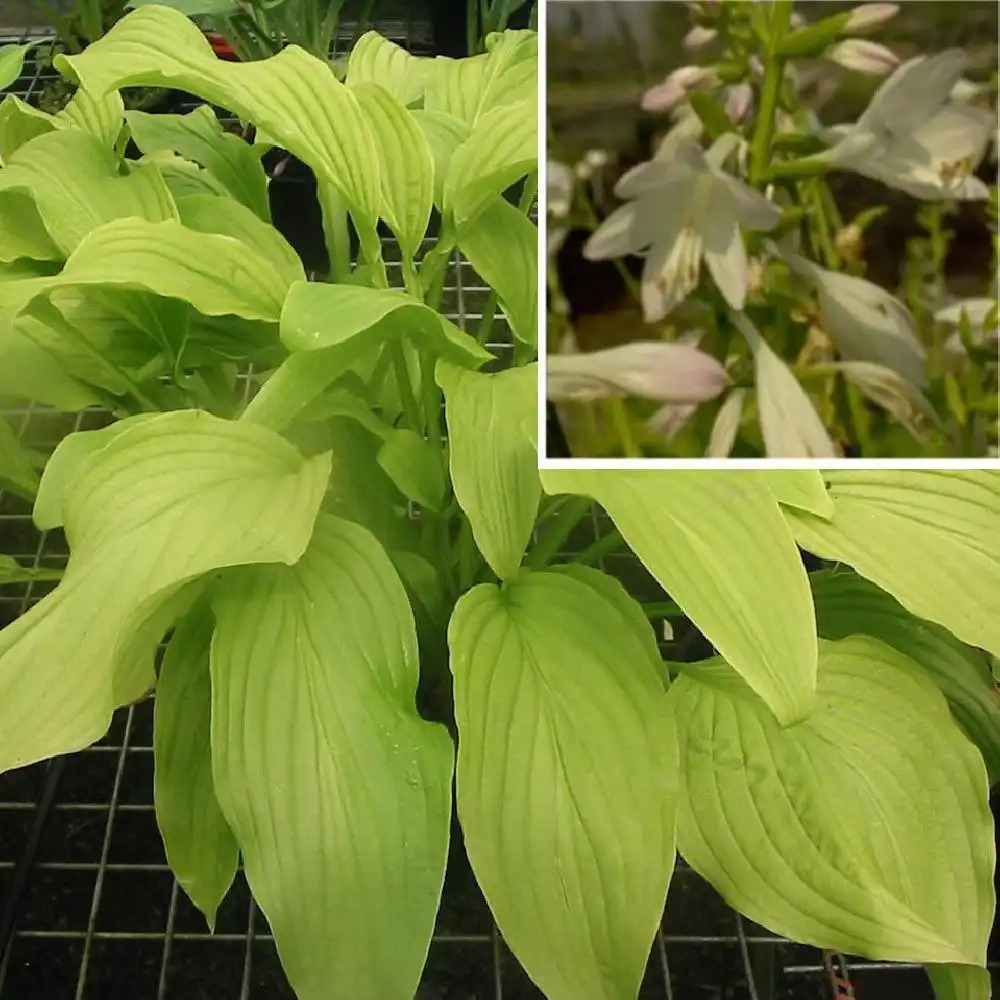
(221, 47)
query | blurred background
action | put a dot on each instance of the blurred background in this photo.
(603, 55)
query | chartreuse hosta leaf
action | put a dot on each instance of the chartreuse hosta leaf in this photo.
(293, 97)
(566, 779)
(719, 546)
(415, 466)
(339, 794)
(200, 847)
(73, 203)
(445, 133)
(470, 88)
(501, 243)
(848, 604)
(29, 371)
(22, 237)
(375, 59)
(224, 217)
(960, 982)
(64, 466)
(17, 472)
(20, 122)
(930, 538)
(494, 463)
(12, 62)
(218, 275)
(865, 829)
(198, 136)
(501, 149)
(11, 571)
(803, 489)
(406, 165)
(329, 327)
(100, 117)
(164, 502)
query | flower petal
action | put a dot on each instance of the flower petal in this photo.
(789, 421)
(670, 275)
(669, 373)
(914, 92)
(726, 426)
(752, 209)
(670, 419)
(869, 324)
(725, 255)
(614, 236)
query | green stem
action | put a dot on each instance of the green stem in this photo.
(335, 229)
(662, 609)
(558, 529)
(760, 147)
(431, 397)
(623, 426)
(472, 26)
(407, 398)
(598, 549)
(486, 320)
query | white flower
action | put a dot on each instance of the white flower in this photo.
(863, 56)
(864, 320)
(683, 208)
(977, 311)
(676, 87)
(870, 15)
(664, 372)
(912, 139)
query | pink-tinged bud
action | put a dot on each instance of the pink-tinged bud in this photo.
(698, 37)
(668, 373)
(863, 56)
(675, 88)
(739, 103)
(870, 15)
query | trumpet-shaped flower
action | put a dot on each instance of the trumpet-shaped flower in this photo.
(912, 138)
(650, 369)
(864, 320)
(683, 207)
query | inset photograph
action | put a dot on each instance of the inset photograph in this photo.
(772, 231)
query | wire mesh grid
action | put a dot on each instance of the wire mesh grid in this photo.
(89, 909)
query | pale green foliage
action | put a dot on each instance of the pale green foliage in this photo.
(370, 533)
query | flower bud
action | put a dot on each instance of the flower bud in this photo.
(863, 56)
(596, 159)
(698, 37)
(676, 87)
(739, 103)
(870, 15)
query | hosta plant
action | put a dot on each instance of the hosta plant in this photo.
(362, 578)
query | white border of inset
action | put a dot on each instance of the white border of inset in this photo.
(544, 462)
